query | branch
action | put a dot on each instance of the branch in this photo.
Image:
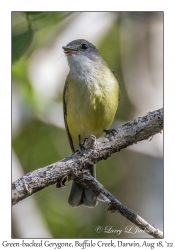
(77, 165)
(114, 204)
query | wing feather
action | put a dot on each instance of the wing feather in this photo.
(65, 100)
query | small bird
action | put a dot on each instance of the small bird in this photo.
(90, 101)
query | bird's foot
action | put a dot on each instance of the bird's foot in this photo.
(82, 147)
(111, 132)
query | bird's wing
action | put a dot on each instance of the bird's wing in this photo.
(65, 113)
(116, 76)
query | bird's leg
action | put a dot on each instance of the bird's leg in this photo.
(85, 144)
(81, 145)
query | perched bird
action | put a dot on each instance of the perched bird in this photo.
(90, 101)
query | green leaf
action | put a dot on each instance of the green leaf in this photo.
(21, 42)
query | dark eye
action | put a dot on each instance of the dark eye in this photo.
(84, 46)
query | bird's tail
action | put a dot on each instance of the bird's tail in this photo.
(82, 195)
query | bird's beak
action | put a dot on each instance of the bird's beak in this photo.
(69, 51)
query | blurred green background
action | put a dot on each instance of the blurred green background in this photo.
(132, 45)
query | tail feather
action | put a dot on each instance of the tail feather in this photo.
(82, 195)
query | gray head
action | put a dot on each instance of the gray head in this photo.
(81, 47)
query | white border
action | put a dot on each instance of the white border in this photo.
(5, 92)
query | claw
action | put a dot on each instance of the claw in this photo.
(81, 145)
(82, 148)
(109, 132)
(85, 140)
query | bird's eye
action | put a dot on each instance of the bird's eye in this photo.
(84, 46)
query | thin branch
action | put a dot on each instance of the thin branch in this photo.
(76, 166)
(114, 204)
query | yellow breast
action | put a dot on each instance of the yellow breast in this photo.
(91, 105)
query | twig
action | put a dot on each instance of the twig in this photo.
(86, 179)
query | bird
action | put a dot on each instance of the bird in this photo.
(90, 101)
